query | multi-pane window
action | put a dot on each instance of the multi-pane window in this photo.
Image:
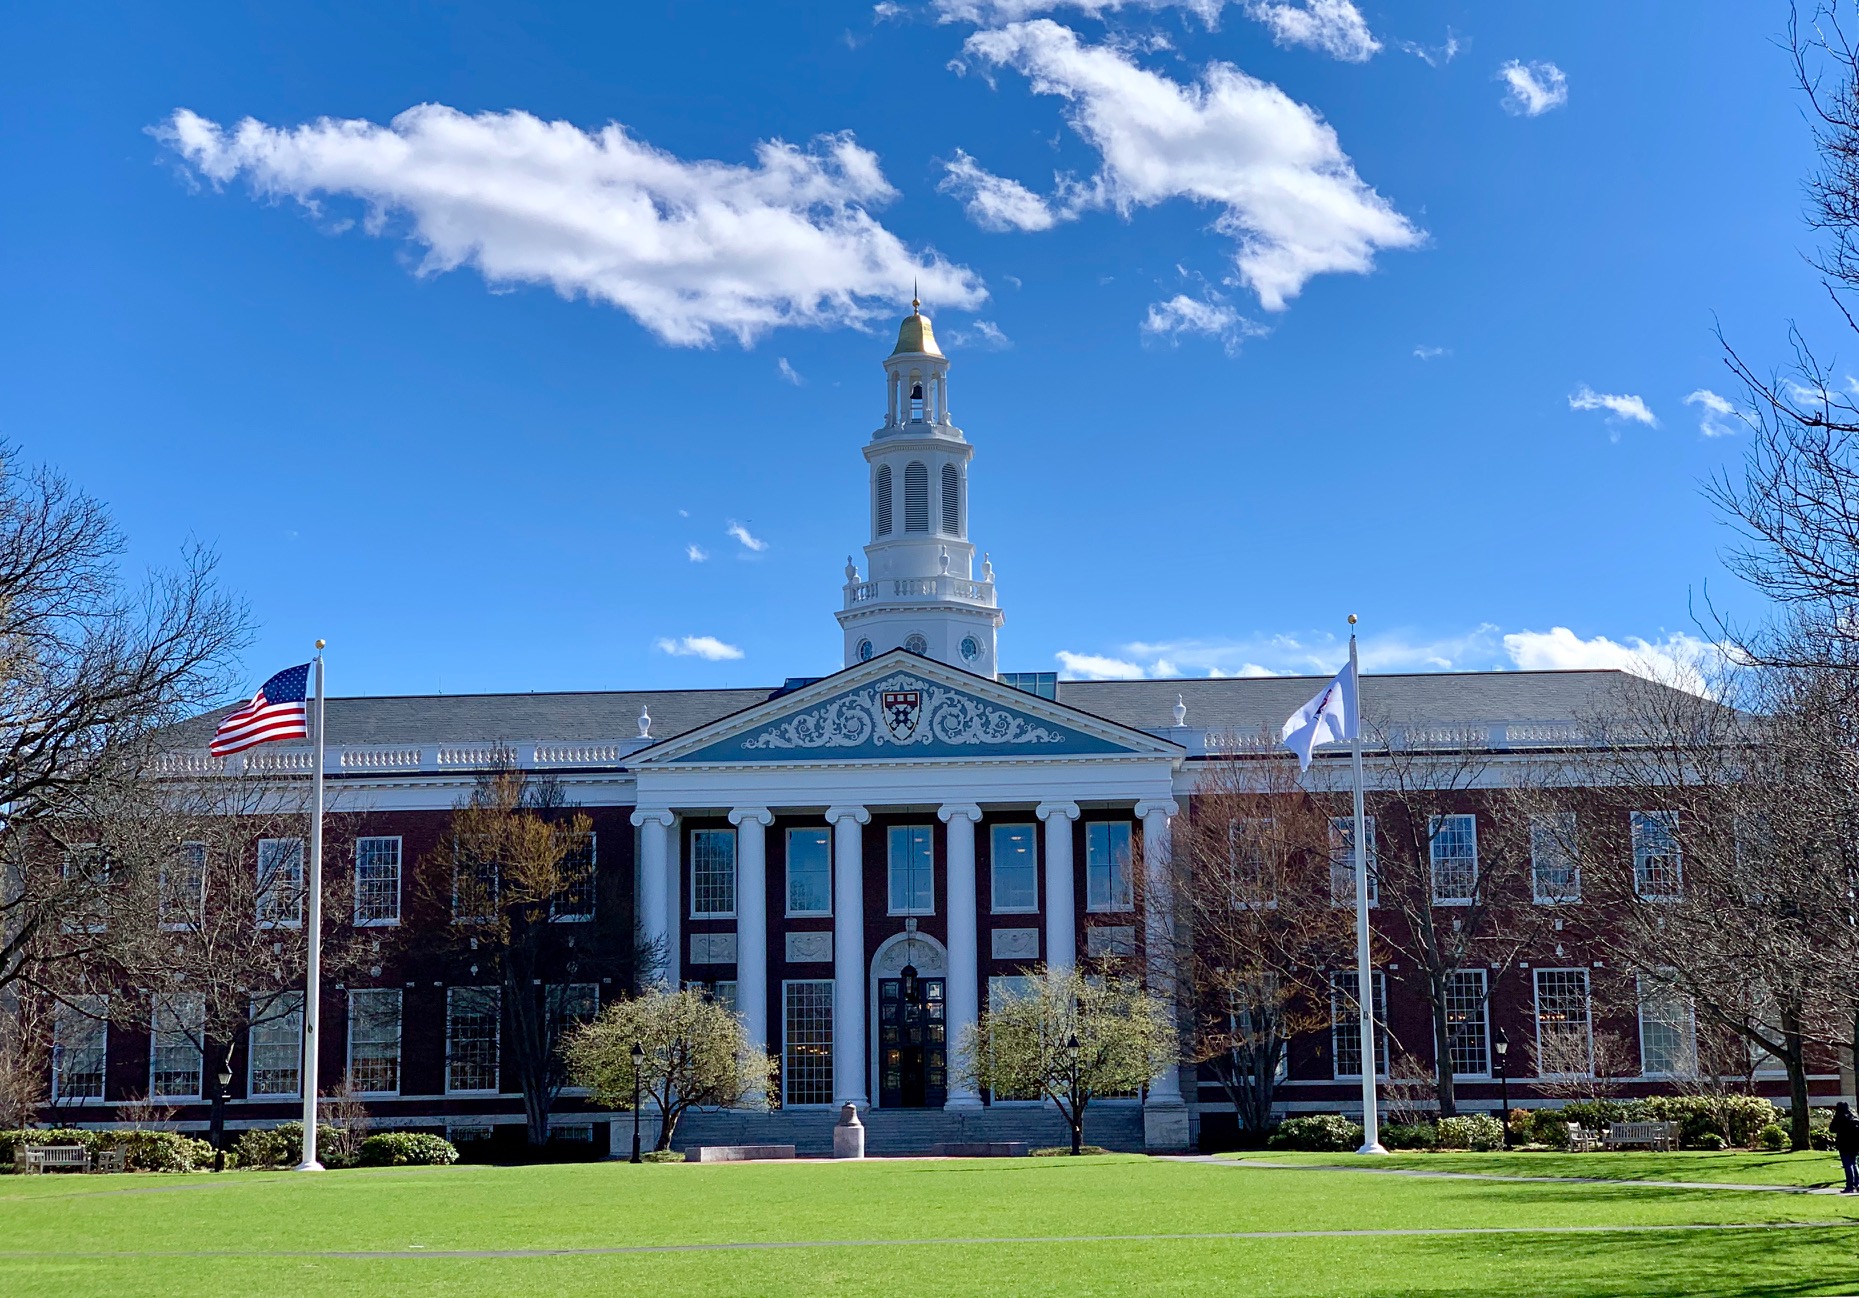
(1013, 865)
(79, 1034)
(280, 882)
(1107, 884)
(713, 873)
(276, 1046)
(1250, 884)
(1452, 842)
(1346, 1024)
(476, 879)
(809, 872)
(807, 1042)
(1468, 1027)
(1564, 1045)
(183, 888)
(177, 1027)
(912, 871)
(374, 1040)
(1657, 870)
(377, 881)
(573, 902)
(1343, 861)
(472, 1020)
(1554, 875)
(1668, 1032)
(569, 1006)
(723, 992)
(90, 911)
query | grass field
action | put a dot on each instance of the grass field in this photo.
(1738, 1168)
(1101, 1226)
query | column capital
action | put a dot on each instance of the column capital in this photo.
(836, 814)
(760, 815)
(1047, 810)
(655, 815)
(1167, 806)
(968, 810)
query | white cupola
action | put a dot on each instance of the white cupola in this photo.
(920, 591)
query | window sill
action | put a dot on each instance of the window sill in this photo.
(1110, 910)
(1453, 901)
(716, 915)
(807, 914)
(1013, 910)
(914, 914)
(571, 919)
(378, 923)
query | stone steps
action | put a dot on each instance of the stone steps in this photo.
(910, 1131)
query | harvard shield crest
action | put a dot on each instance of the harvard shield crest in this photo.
(902, 710)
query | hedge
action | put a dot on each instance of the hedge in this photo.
(145, 1151)
(1327, 1133)
(407, 1149)
(1479, 1131)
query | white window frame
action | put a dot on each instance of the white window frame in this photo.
(1031, 830)
(399, 1038)
(559, 916)
(1342, 998)
(378, 921)
(1548, 838)
(823, 835)
(787, 1040)
(264, 903)
(170, 1048)
(1343, 861)
(1482, 1020)
(287, 1025)
(90, 1014)
(891, 840)
(719, 836)
(188, 867)
(456, 1000)
(1536, 1006)
(1639, 824)
(493, 886)
(1440, 829)
(1109, 899)
(1687, 1030)
(1248, 837)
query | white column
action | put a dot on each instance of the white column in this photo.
(752, 920)
(654, 890)
(849, 1044)
(1159, 934)
(674, 904)
(964, 991)
(1061, 897)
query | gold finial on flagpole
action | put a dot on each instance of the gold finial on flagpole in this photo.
(319, 643)
(1352, 622)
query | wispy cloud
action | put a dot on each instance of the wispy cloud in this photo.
(787, 371)
(1617, 405)
(754, 544)
(1427, 352)
(1334, 27)
(696, 553)
(707, 647)
(982, 335)
(1714, 413)
(1097, 667)
(993, 13)
(1533, 88)
(1434, 56)
(995, 202)
(689, 248)
(1182, 315)
(1678, 657)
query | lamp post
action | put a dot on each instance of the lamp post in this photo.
(1077, 1126)
(638, 1062)
(1501, 1044)
(219, 1113)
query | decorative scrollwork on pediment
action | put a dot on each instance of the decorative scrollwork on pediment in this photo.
(902, 710)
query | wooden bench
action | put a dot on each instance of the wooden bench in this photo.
(51, 1158)
(1581, 1139)
(110, 1160)
(1653, 1135)
(742, 1153)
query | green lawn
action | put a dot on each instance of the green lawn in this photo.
(1737, 1168)
(944, 1228)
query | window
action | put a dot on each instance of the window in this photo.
(916, 497)
(475, 881)
(573, 903)
(1003, 988)
(1343, 861)
(723, 992)
(182, 888)
(912, 873)
(569, 1006)
(79, 1037)
(1107, 866)
(1554, 875)
(916, 644)
(471, 1024)
(1564, 1047)
(807, 1042)
(177, 1027)
(1346, 1024)
(713, 873)
(951, 500)
(374, 1040)
(280, 882)
(1668, 1032)
(1452, 842)
(1249, 884)
(1013, 862)
(276, 1046)
(90, 910)
(809, 872)
(1468, 1026)
(1043, 684)
(1657, 869)
(377, 881)
(883, 505)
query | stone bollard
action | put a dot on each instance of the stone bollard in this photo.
(849, 1134)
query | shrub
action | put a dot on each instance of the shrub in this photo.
(1550, 1127)
(1773, 1137)
(1478, 1131)
(161, 1151)
(282, 1146)
(673, 1156)
(1711, 1141)
(1328, 1133)
(10, 1141)
(407, 1149)
(1700, 1115)
(1402, 1135)
(1522, 1125)
(1596, 1115)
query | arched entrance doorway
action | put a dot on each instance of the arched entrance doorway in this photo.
(910, 1045)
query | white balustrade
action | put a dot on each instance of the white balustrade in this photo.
(380, 759)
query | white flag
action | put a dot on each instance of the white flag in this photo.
(1328, 718)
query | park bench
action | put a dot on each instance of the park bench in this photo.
(1653, 1135)
(110, 1160)
(1581, 1139)
(51, 1158)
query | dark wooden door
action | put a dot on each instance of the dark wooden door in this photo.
(913, 1048)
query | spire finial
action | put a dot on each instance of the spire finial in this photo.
(914, 304)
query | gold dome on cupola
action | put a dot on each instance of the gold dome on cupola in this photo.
(915, 334)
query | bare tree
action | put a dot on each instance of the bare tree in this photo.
(25, 1057)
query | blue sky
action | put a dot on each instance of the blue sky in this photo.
(1261, 313)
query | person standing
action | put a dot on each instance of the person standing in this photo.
(1845, 1133)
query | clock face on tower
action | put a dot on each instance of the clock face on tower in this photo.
(971, 649)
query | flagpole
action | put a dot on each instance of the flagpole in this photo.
(1365, 975)
(313, 964)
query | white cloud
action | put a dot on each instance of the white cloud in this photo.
(707, 647)
(1679, 658)
(688, 248)
(1289, 196)
(1617, 405)
(1095, 667)
(696, 553)
(1434, 56)
(741, 533)
(787, 371)
(1426, 352)
(1713, 413)
(1335, 27)
(993, 13)
(1534, 88)
(1182, 314)
(981, 335)
(995, 202)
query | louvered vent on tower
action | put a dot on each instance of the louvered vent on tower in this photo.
(916, 497)
(883, 524)
(951, 501)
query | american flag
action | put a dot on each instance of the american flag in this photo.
(277, 711)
